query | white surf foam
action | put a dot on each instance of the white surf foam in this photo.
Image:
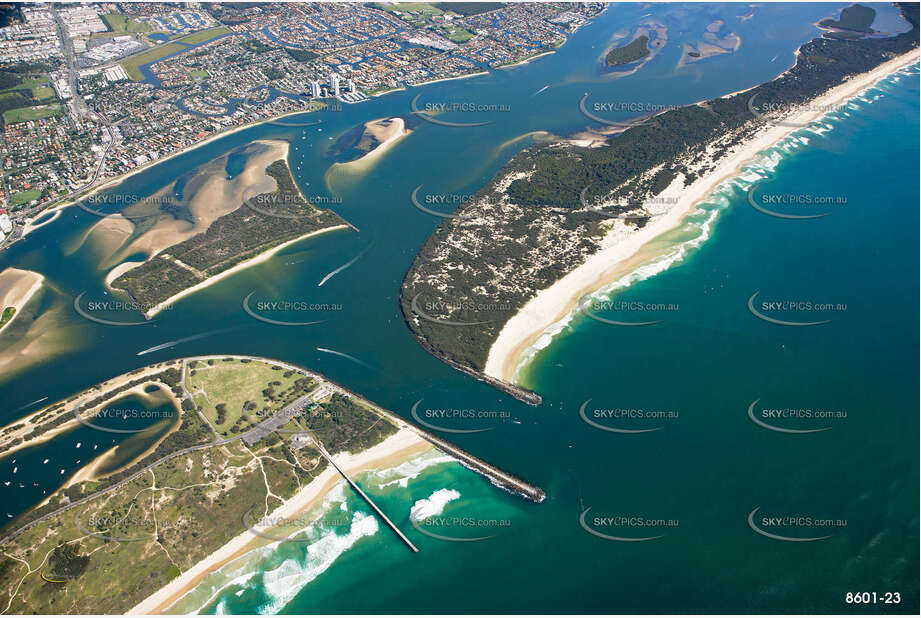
(761, 168)
(433, 505)
(283, 583)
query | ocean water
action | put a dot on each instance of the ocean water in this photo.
(694, 481)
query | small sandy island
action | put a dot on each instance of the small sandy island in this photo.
(403, 445)
(383, 133)
(16, 288)
(552, 305)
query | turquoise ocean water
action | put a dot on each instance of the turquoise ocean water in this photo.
(692, 484)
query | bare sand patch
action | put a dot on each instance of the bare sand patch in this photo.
(553, 304)
(387, 132)
(17, 286)
(399, 447)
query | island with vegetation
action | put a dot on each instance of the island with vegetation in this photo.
(553, 223)
(636, 49)
(854, 18)
(251, 435)
(253, 231)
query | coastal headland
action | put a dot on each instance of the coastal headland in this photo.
(251, 437)
(553, 238)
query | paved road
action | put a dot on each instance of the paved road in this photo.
(276, 420)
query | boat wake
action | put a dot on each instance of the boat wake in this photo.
(176, 342)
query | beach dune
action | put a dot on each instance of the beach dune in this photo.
(618, 254)
(398, 447)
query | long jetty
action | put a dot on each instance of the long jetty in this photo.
(367, 499)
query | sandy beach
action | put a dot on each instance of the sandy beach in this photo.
(213, 195)
(448, 79)
(554, 304)
(17, 286)
(6, 437)
(259, 259)
(387, 132)
(117, 180)
(403, 445)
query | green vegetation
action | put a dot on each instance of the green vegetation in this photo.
(22, 93)
(120, 23)
(301, 55)
(42, 93)
(469, 8)
(550, 196)
(24, 114)
(228, 389)
(15, 99)
(29, 83)
(66, 561)
(349, 425)
(631, 52)
(456, 34)
(199, 73)
(25, 197)
(7, 315)
(231, 239)
(131, 63)
(256, 46)
(857, 18)
(178, 512)
(415, 8)
(202, 35)
(25, 75)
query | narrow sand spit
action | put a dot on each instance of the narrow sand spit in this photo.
(17, 286)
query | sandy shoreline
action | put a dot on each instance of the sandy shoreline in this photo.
(387, 132)
(552, 305)
(17, 286)
(84, 396)
(259, 259)
(448, 79)
(117, 180)
(398, 447)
